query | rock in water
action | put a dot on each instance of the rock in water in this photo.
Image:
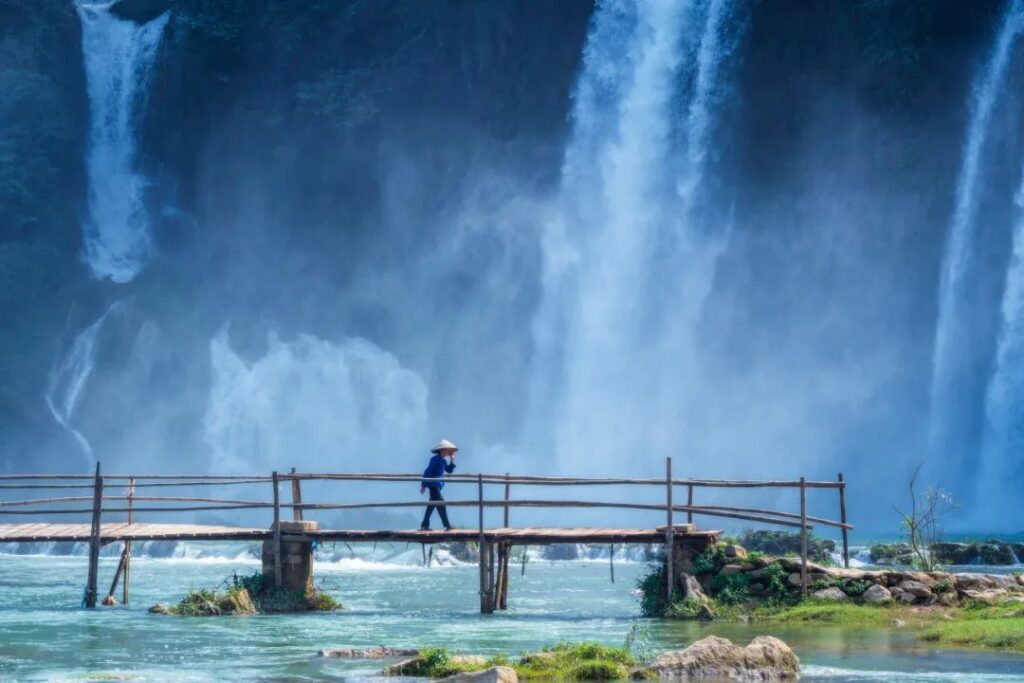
(368, 652)
(765, 659)
(833, 594)
(877, 594)
(160, 608)
(496, 674)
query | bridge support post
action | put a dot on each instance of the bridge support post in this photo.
(296, 555)
(94, 541)
(683, 550)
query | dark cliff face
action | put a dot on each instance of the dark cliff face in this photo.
(347, 168)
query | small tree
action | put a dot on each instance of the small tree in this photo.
(922, 522)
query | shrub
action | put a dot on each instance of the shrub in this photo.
(652, 591)
(731, 589)
(781, 543)
(853, 588)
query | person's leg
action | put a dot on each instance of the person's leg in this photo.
(429, 511)
(442, 511)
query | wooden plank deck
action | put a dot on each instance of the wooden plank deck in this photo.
(11, 533)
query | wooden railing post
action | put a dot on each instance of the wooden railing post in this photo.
(94, 540)
(803, 536)
(296, 497)
(277, 529)
(670, 577)
(842, 520)
(689, 503)
(486, 584)
(508, 491)
(125, 587)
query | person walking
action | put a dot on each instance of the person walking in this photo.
(441, 463)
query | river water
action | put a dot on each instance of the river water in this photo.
(46, 636)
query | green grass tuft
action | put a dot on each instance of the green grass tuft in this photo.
(1006, 633)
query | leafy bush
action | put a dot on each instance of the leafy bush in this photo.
(731, 589)
(710, 561)
(577, 661)
(772, 583)
(652, 591)
(782, 543)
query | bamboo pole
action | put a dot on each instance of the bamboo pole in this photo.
(277, 530)
(842, 520)
(670, 545)
(689, 503)
(803, 539)
(296, 498)
(482, 545)
(94, 541)
(567, 481)
(125, 590)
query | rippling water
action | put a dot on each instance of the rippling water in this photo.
(45, 635)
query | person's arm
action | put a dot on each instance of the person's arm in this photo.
(450, 467)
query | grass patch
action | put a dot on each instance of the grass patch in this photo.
(263, 597)
(1006, 633)
(832, 613)
(576, 662)
(439, 662)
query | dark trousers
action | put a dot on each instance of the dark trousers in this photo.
(435, 494)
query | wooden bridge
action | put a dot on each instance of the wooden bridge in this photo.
(283, 537)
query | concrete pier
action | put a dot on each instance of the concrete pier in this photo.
(296, 555)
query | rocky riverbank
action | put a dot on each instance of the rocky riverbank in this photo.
(992, 552)
(726, 580)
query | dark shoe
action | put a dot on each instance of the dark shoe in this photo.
(448, 528)
(424, 528)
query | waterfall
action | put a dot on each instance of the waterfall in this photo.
(949, 342)
(119, 57)
(69, 377)
(628, 262)
(313, 402)
(1003, 439)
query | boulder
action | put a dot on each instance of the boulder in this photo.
(794, 579)
(406, 667)
(954, 553)
(368, 652)
(160, 608)
(877, 594)
(237, 602)
(765, 659)
(832, 594)
(846, 574)
(691, 589)
(920, 577)
(735, 552)
(915, 588)
(732, 569)
(996, 553)
(989, 596)
(902, 595)
(1020, 579)
(496, 674)
(792, 564)
(984, 581)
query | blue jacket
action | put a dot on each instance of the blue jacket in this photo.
(435, 470)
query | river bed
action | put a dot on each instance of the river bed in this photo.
(46, 636)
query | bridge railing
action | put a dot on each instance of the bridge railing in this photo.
(131, 494)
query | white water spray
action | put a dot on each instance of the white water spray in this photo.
(1004, 399)
(312, 402)
(626, 265)
(119, 57)
(69, 377)
(961, 237)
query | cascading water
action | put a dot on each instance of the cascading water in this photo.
(950, 349)
(119, 57)
(69, 377)
(1004, 400)
(627, 263)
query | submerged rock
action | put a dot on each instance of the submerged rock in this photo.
(765, 659)
(368, 652)
(496, 674)
(160, 608)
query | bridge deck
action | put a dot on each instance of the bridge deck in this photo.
(10, 533)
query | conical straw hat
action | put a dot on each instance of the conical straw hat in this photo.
(444, 445)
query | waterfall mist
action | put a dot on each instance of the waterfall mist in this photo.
(769, 240)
